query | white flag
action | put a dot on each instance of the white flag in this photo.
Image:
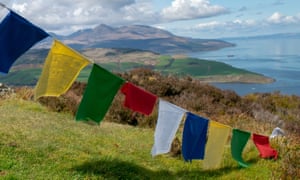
(169, 118)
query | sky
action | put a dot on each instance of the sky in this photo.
(204, 19)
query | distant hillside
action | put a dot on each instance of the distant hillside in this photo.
(137, 37)
(27, 69)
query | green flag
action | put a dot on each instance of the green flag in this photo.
(238, 142)
(100, 91)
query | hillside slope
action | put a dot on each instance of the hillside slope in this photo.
(36, 143)
(137, 37)
(27, 69)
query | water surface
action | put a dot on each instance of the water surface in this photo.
(276, 58)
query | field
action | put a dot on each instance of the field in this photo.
(36, 143)
(27, 69)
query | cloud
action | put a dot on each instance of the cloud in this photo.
(191, 9)
(3, 13)
(278, 18)
(276, 23)
(116, 4)
(236, 27)
(236, 24)
(210, 25)
(66, 16)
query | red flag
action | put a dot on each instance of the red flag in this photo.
(138, 99)
(263, 145)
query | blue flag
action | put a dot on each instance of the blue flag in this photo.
(17, 35)
(194, 137)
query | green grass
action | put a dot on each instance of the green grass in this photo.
(121, 67)
(163, 61)
(165, 64)
(196, 67)
(84, 74)
(38, 144)
(30, 76)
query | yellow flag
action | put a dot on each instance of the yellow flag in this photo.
(60, 70)
(217, 138)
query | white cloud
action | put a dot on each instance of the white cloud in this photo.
(66, 16)
(210, 25)
(276, 23)
(278, 18)
(191, 9)
(116, 4)
(141, 12)
(236, 24)
(20, 7)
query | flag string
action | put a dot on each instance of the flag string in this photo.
(115, 83)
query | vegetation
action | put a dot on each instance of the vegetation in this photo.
(41, 140)
(27, 69)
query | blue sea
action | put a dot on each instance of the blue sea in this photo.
(278, 58)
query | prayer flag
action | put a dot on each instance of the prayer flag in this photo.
(100, 91)
(263, 145)
(138, 99)
(169, 118)
(61, 68)
(217, 137)
(17, 35)
(194, 137)
(238, 142)
(277, 132)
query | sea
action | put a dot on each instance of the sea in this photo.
(278, 58)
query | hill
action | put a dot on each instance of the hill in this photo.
(36, 142)
(137, 37)
(27, 69)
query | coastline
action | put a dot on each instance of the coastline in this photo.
(238, 78)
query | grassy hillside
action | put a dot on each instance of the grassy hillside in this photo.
(45, 142)
(38, 144)
(27, 69)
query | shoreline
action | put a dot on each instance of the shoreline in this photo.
(239, 78)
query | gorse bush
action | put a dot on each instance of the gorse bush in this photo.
(269, 109)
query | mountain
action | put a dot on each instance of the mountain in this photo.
(138, 37)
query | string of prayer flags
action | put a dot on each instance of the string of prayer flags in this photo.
(100, 91)
(263, 145)
(169, 118)
(217, 137)
(62, 66)
(17, 35)
(238, 142)
(194, 137)
(138, 99)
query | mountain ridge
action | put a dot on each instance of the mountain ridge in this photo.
(136, 37)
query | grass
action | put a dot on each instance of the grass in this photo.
(180, 66)
(30, 76)
(196, 67)
(38, 144)
(121, 67)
